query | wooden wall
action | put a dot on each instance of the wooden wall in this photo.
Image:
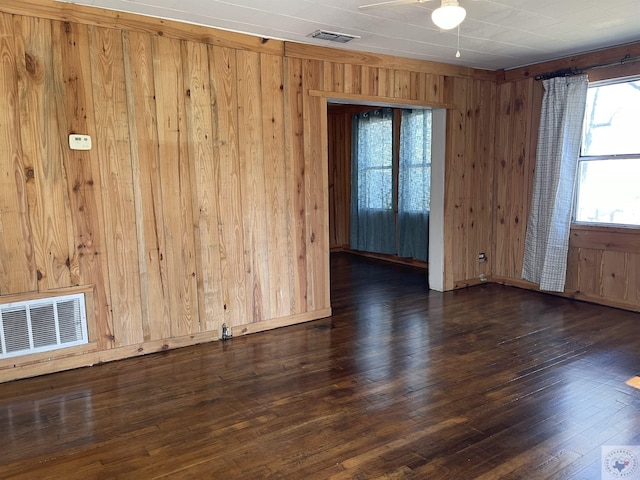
(517, 118)
(469, 194)
(469, 98)
(603, 264)
(339, 141)
(205, 198)
(202, 202)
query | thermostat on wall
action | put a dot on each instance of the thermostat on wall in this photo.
(79, 142)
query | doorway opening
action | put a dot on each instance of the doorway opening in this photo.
(340, 130)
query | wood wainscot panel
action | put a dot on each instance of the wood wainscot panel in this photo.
(616, 239)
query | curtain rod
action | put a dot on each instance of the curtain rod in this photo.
(565, 72)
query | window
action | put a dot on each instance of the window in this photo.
(608, 186)
(390, 185)
(415, 161)
(374, 155)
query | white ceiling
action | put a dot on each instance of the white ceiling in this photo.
(496, 33)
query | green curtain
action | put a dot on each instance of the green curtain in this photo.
(372, 193)
(374, 200)
(414, 184)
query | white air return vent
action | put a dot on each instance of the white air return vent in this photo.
(333, 36)
(42, 325)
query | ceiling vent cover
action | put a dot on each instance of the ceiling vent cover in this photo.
(333, 36)
(42, 325)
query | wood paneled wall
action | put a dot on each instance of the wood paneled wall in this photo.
(339, 132)
(469, 98)
(205, 199)
(468, 200)
(517, 118)
(202, 202)
(603, 262)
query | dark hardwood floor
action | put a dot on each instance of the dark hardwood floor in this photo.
(487, 382)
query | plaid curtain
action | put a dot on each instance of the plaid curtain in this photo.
(547, 238)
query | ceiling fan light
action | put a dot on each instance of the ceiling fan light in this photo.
(449, 15)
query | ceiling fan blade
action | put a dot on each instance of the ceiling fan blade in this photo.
(390, 3)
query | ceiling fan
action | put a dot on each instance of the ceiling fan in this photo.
(447, 16)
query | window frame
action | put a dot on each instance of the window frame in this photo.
(384, 168)
(603, 158)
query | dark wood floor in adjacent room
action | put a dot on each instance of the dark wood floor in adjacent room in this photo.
(487, 382)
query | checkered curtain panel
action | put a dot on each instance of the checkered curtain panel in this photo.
(547, 238)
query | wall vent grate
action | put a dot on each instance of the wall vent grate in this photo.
(333, 36)
(42, 325)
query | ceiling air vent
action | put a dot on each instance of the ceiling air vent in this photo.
(42, 325)
(333, 36)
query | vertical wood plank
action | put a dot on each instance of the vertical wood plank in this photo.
(140, 90)
(471, 207)
(456, 199)
(316, 151)
(17, 259)
(338, 80)
(252, 166)
(520, 143)
(516, 138)
(143, 135)
(277, 195)
(175, 186)
(113, 155)
(502, 182)
(234, 258)
(369, 81)
(480, 170)
(339, 158)
(327, 76)
(416, 87)
(633, 278)
(534, 108)
(205, 174)
(49, 216)
(352, 79)
(402, 84)
(385, 82)
(589, 269)
(298, 179)
(434, 88)
(614, 275)
(571, 280)
(74, 107)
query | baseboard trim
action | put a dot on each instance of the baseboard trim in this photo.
(86, 355)
(574, 295)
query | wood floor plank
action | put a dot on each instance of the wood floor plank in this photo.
(401, 382)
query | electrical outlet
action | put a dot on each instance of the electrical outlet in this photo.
(482, 257)
(483, 277)
(226, 332)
